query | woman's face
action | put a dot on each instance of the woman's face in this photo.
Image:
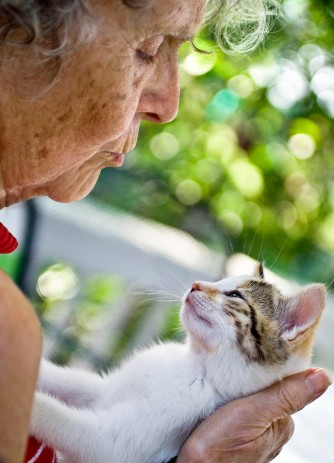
(57, 144)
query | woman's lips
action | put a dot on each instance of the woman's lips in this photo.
(116, 159)
(110, 158)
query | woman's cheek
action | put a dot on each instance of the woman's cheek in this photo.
(111, 115)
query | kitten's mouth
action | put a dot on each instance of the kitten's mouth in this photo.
(191, 306)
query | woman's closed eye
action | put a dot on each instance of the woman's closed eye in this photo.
(145, 57)
(149, 48)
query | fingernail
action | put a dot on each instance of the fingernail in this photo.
(318, 380)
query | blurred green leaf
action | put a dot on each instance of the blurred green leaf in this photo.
(251, 149)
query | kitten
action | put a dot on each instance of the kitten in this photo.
(243, 335)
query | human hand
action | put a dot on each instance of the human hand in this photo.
(255, 428)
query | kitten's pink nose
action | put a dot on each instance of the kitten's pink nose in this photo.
(196, 287)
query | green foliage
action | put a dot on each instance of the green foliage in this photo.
(248, 163)
(97, 318)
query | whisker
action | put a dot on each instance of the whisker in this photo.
(159, 292)
(280, 252)
(230, 244)
(244, 246)
(154, 299)
(260, 251)
(329, 284)
(252, 244)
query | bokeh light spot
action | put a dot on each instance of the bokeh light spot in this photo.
(252, 214)
(241, 85)
(247, 178)
(323, 86)
(302, 145)
(222, 143)
(208, 171)
(197, 64)
(189, 192)
(290, 86)
(288, 214)
(232, 222)
(308, 199)
(326, 235)
(164, 146)
(58, 282)
(223, 105)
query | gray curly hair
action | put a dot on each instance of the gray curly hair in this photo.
(241, 25)
(60, 25)
(24, 22)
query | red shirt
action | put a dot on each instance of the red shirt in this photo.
(39, 453)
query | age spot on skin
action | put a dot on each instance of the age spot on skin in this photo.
(42, 153)
(63, 117)
(118, 96)
(91, 106)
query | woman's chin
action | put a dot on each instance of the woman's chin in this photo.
(70, 190)
(70, 197)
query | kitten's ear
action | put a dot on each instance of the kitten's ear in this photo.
(259, 270)
(302, 311)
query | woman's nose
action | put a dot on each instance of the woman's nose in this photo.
(160, 98)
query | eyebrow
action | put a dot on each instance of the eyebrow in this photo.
(181, 32)
(180, 39)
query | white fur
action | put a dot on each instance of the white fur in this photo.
(143, 411)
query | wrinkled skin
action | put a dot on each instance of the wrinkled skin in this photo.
(56, 145)
(254, 429)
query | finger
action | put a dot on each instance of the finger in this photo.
(288, 396)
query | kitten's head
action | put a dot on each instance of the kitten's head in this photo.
(250, 317)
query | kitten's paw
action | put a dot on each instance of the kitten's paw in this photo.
(41, 415)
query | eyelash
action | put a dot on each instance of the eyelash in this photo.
(144, 56)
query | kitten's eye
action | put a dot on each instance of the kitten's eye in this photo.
(234, 294)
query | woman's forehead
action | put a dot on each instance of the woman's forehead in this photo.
(179, 18)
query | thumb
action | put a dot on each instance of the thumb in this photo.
(290, 395)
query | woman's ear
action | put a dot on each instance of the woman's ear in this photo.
(302, 311)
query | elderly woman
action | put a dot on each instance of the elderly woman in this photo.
(76, 78)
